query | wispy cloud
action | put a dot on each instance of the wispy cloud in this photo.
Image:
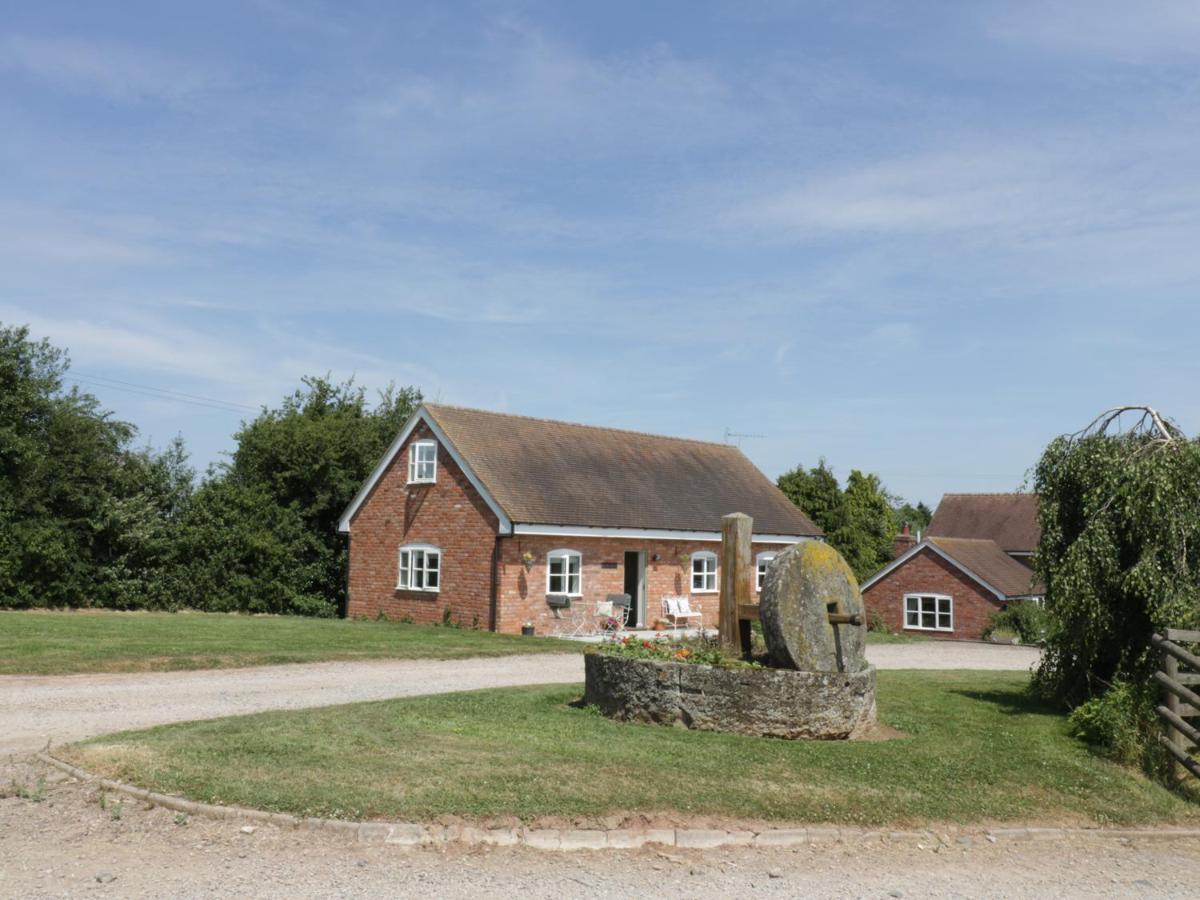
(110, 70)
(1143, 32)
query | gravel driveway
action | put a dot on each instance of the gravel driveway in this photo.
(61, 708)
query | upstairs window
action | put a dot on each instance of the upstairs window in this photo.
(564, 573)
(422, 462)
(704, 572)
(928, 612)
(762, 560)
(420, 568)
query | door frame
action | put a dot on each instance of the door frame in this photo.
(638, 600)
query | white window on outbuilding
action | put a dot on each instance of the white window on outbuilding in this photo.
(761, 562)
(564, 573)
(929, 612)
(420, 568)
(704, 572)
(422, 462)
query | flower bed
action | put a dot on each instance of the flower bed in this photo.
(692, 650)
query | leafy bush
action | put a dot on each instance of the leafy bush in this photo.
(1028, 621)
(1120, 721)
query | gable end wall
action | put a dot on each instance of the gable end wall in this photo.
(929, 573)
(449, 514)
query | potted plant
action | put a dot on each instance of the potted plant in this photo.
(661, 624)
(527, 560)
(684, 559)
(527, 629)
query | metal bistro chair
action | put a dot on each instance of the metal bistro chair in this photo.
(622, 608)
(569, 627)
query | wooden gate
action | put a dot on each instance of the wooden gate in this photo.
(1181, 700)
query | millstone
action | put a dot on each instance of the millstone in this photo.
(803, 585)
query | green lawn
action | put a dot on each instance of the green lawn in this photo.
(52, 643)
(977, 749)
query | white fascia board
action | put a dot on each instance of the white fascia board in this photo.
(422, 415)
(903, 558)
(664, 534)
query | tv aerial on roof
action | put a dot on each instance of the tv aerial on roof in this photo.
(739, 435)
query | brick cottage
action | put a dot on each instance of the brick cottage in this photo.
(973, 562)
(487, 515)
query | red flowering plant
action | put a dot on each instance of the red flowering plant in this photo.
(693, 650)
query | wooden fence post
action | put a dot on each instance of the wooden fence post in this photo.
(1171, 670)
(737, 576)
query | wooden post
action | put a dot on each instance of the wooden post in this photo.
(1171, 670)
(737, 576)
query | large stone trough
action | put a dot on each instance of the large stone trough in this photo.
(782, 703)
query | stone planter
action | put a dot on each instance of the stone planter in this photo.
(768, 702)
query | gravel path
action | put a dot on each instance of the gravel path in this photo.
(63, 708)
(68, 845)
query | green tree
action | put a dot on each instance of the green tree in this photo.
(310, 456)
(817, 492)
(1120, 557)
(858, 522)
(918, 517)
(867, 528)
(63, 463)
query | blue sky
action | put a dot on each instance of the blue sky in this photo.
(919, 239)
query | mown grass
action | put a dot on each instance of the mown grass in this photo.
(53, 643)
(976, 749)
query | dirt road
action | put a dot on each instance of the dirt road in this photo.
(64, 708)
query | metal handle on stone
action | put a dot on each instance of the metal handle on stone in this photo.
(845, 619)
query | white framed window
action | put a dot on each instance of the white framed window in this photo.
(704, 572)
(422, 462)
(929, 612)
(564, 573)
(761, 562)
(420, 568)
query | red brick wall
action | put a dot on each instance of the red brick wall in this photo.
(450, 515)
(522, 589)
(929, 573)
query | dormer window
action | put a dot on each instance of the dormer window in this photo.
(422, 462)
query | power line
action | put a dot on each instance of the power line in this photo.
(160, 394)
(147, 387)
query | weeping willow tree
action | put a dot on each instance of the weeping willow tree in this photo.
(1120, 557)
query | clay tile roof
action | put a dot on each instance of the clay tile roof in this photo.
(557, 473)
(987, 560)
(1008, 519)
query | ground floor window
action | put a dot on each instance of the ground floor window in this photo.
(564, 573)
(929, 612)
(762, 560)
(420, 569)
(704, 572)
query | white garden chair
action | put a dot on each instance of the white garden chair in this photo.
(680, 612)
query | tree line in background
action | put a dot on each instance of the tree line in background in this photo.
(89, 518)
(861, 520)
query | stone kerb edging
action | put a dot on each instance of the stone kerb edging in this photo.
(413, 834)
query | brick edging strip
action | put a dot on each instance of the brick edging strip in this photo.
(414, 834)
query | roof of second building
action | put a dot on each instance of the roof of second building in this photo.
(986, 560)
(1008, 519)
(559, 473)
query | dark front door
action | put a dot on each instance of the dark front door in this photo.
(633, 586)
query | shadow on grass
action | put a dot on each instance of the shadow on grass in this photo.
(1015, 702)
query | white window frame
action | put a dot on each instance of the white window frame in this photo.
(566, 574)
(921, 612)
(422, 471)
(414, 568)
(760, 567)
(707, 573)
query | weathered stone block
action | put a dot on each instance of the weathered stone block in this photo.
(770, 702)
(803, 585)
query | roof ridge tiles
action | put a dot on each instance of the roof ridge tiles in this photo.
(542, 419)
